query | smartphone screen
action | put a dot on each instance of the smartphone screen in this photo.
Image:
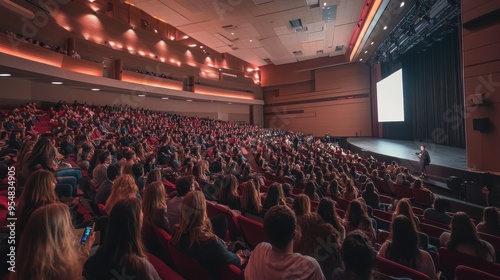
(246, 253)
(87, 232)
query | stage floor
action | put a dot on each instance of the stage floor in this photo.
(446, 156)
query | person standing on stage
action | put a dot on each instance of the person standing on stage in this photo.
(424, 161)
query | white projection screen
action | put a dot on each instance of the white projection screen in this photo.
(390, 104)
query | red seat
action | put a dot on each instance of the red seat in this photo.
(396, 270)
(402, 191)
(384, 215)
(386, 189)
(102, 208)
(436, 224)
(431, 231)
(383, 236)
(340, 213)
(385, 199)
(214, 209)
(493, 240)
(466, 273)
(450, 260)
(342, 204)
(253, 231)
(164, 271)
(164, 238)
(422, 197)
(417, 211)
(191, 269)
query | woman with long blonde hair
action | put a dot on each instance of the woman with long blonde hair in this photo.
(403, 207)
(123, 187)
(154, 209)
(301, 205)
(53, 251)
(39, 191)
(24, 152)
(194, 236)
(250, 200)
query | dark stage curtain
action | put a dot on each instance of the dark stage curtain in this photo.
(433, 96)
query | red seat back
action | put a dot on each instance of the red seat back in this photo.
(188, 267)
(164, 238)
(436, 224)
(493, 240)
(431, 231)
(450, 260)
(384, 215)
(466, 273)
(383, 236)
(396, 270)
(385, 199)
(342, 204)
(164, 271)
(402, 191)
(253, 231)
(214, 209)
(422, 197)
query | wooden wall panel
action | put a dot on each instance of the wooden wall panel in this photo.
(327, 108)
(482, 75)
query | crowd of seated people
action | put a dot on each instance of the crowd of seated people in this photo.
(140, 170)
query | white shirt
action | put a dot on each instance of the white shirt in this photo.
(266, 263)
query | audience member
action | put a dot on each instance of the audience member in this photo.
(194, 236)
(359, 258)
(123, 252)
(438, 212)
(463, 238)
(490, 223)
(123, 187)
(104, 190)
(276, 260)
(53, 251)
(403, 247)
(326, 210)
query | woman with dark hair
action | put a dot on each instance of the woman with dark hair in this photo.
(402, 247)
(275, 196)
(154, 176)
(123, 252)
(463, 238)
(326, 210)
(250, 200)
(359, 258)
(357, 217)
(299, 180)
(310, 191)
(403, 207)
(370, 196)
(43, 157)
(229, 192)
(350, 191)
(334, 189)
(195, 237)
(301, 205)
(150, 164)
(490, 223)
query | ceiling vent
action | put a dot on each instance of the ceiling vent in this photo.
(301, 29)
(298, 53)
(320, 52)
(339, 48)
(268, 61)
(229, 27)
(312, 4)
(296, 23)
(329, 13)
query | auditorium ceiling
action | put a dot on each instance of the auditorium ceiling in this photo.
(267, 31)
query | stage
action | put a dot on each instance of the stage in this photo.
(403, 151)
(445, 161)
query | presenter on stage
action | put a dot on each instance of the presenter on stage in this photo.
(424, 160)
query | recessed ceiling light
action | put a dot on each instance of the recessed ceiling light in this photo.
(164, 98)
(185, 37)
(402, 4)
(57, 83)
(360, 59)
(232, 33)
(385, 27)
(192, 45)
(201, 47)
(324, 4)
(5, 75)
(156, 30)
(371, 43)
(141, 95)
(220, 69)
(189, 100)
(251, 40)
(95, 89)
(366, 51)
(172, 38)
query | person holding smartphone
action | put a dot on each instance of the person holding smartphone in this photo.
(55, 251)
